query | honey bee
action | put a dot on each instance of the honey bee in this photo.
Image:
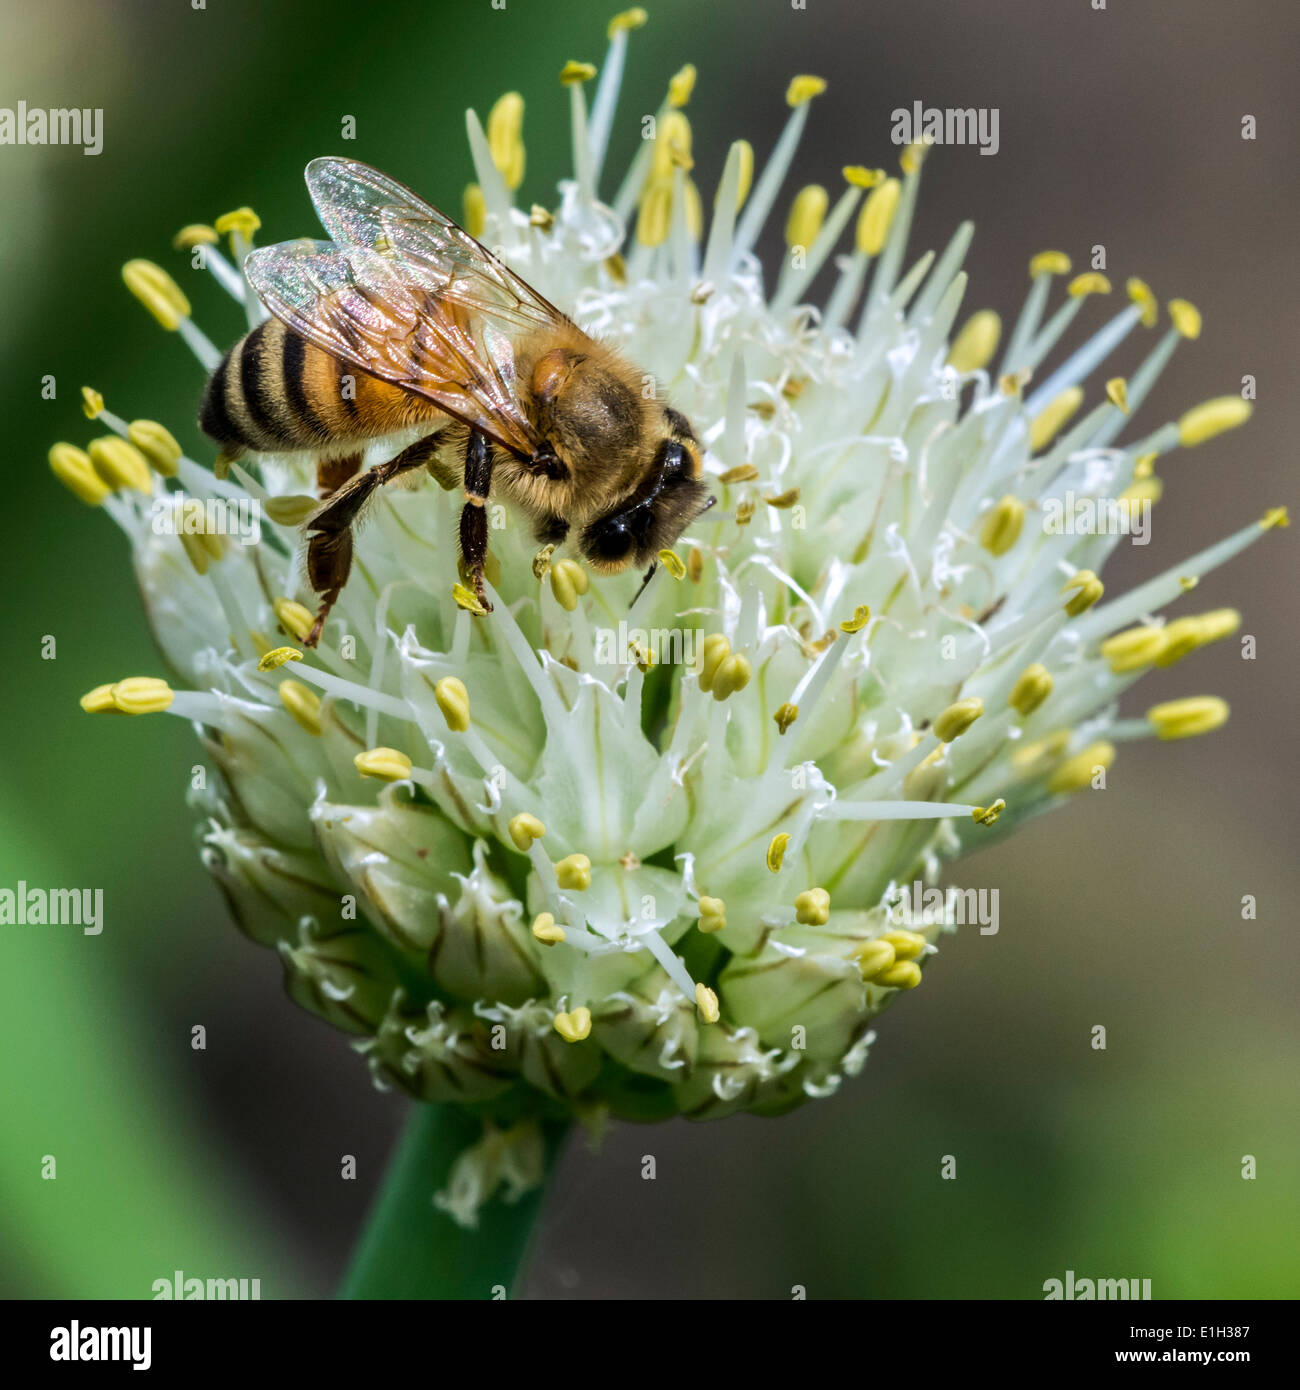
(403, 322)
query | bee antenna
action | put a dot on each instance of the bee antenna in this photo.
(649, 575)
(712, 502)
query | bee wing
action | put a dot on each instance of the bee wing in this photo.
(407, 296)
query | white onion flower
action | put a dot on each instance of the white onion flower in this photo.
(576, 859)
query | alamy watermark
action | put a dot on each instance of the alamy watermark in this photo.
(60, 125)
(1098, 516)
(178, 515)
(664, 646)
(949, 125)
(946, 907)
(53, 907)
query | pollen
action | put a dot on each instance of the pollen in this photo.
(142, 695)
(785, 716)
(974, 346)
(626, 20)
(546, 931)
(291, 509)
(745, 156)
(1186, 318)
(741, 473)
(1049, 263)
(1212, 418)
(903, 974)
(293, 618)
(568, 583)
(807, 213)
(99, 700)
(453, 701)
(277, 657)
(573, 873)
(157, 291)
(873, 957)
(1086, 589)
(92, 403)
(1133, 650)
(468, 600)
(1032, 687)
(776, 852)
(908, 945)
(861, 617)
(473, 210)
(913, 156)
(1090, 282)
(505, 126)
(681, 86)
(157, 443)
(877, 216)
(574, 72)
(988, 815)
(242, 221)
(1144, 466)
(120, 464)
(859, 176)
(1078, 772)
(802, 89)
(813, 908)
(1141, 294)
(573, 1027)
(706, 1001)
(1117, 393)
(1053, 417)
(673, 563)
(957, 718)
(524, 829)
(195, 234)
(716, 651)
(713, 914)
(387, 764)
(302, 703)
(732, 675)
(73, 468)
(1274, 518)
(1186, 718)
(1002, 526)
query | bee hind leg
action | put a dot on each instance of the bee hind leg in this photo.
(473, 515)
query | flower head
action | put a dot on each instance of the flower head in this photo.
(574, 858)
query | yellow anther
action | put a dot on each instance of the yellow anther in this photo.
(568, 583)
(655, 212)
(908, 945)
(803, 89)
(1013, 383)
(473, 207)
(574, 873)
(1142, 295)
(1002, 527)
(1217, 624)
(695, 564)
(672, 148)
(453, 701)
(813, 908)
(1274, 518)
(1185, 317)
(1117, 393)
(157, 291)
(957, 718)
(545, 930)
(1144, 466)
(680, 86)
(673, 563)
(785, 716)
(505, 127)
(904, 974)
(1090, 282)
(468, 600)
(1053, 416)
(859, 176)
(1181, 638)
(861, 617)
(988, 815)
(142, 695)
(293, 618)
(746, 172)
(716, 651)
(195, 234)
(73, 468)
(387, 764)
(1049, 263)
(1186, 718)
(524, 829)
(974, 346)
(92, 403)
(707, 1003)
(731, 676)
(157, 443)
(741, 473)
(1144, 490)
(873, 957)
(713, 914)
(807, 213)
(1028, 758)
(574, 72)
(243, 221)
(1210, 418)
(1032, 687)
(776, 852)
(99, 700)
(1079, 771)
(913, 156)
(1133, 650)
(302, 703)
(120, 464)
(291, 509)
(643, 658)
(1086, 588)
(278, 656)
(877, 216)
(625, 20)
(574, 1026)
(1187, 582)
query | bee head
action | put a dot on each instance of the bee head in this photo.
(669, 498)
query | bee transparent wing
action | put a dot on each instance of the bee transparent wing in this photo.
(392, 320)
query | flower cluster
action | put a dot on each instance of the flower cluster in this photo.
(575, 859)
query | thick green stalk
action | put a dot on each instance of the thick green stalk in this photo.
(410, 1249)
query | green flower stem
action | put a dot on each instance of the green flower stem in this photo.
(410, 1249)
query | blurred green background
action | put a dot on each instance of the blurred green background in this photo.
(1119, 127)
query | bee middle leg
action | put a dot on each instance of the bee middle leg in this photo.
(473, 515)
(329, 544)
(332, 474)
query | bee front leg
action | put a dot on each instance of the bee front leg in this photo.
(473, 515)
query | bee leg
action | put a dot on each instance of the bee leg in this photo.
(329, 544)
(332, 474)
(473, 515)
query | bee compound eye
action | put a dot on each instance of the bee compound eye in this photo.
(611, 541)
